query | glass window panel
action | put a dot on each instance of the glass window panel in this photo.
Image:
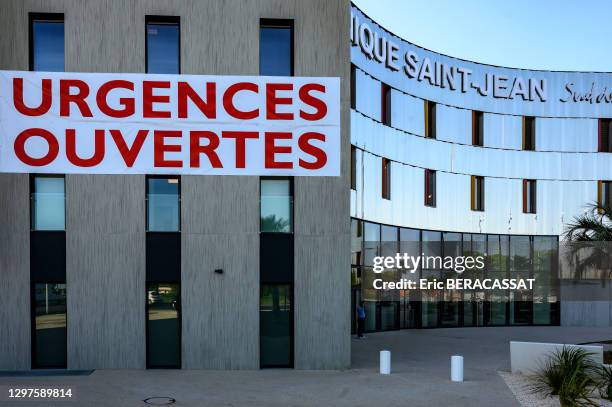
(520, 253)
(276, 205)
(432, 243)
(389, 315)
(389, 245)
(521, 304)
(163, 204)
(163, 325)
(49, 326)
(371, 242)
(452, 244)
(163, 48)
(275, 325)
(48, 46)
(48, 203)
(275, 50)
(370, 311)
(497, 307)
(429, 309)
(356, 241)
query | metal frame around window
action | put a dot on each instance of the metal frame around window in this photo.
(33, 176)
(292, 199)
(180, 202)
(162, 20)
(39, 17)
(279, 23)
(180, 327)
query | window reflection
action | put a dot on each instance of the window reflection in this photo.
(47, 45)
(163, 46)
(163, 204)
(163, 325)
(49, 326)
(48, 203)
(276, 205)
(275, 325)
(507, 256)
(276, 48)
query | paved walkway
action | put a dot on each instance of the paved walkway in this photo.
(420, 376)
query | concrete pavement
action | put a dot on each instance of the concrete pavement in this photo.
(420, 375)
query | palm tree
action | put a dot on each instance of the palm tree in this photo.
(593, 225)
(586, 235)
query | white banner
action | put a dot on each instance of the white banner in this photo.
(99, 123)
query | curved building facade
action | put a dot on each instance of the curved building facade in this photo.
(498, 158)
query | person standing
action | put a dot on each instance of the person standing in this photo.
(361, 316)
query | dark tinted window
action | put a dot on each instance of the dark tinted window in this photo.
(430, 119)
(385, 108)
(49, 347)
(386, 178)
(275, 324)
(529, 133)
(47, 42)
(430, 188)
(163, 325)
(605, 144)
(477, 128)
(276, 48)
(477, 193)
(163, 45)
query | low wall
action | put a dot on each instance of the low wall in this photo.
(528, 357)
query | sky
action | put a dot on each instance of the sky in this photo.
(567, 35)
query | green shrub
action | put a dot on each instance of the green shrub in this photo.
(567, 373)
(604, 382)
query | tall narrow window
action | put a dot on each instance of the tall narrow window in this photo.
(275, 324)
(48, 203)
(163, 271)
(430, 119)
(529, 196)
(604, 193)
(276, 269)
(47, 42)
(386, 178)
(477, 128)
(477, 193)
(353, 87)
(163, 325)
(163, 204)
(49, 325)
(353, 167)
(529, 133)
(276, 47)
(430, 188)
(276, 205)
(48, 271)
(605, 144)
(385, 104)
(163, 44)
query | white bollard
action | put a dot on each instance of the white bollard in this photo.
(457, 368)
(385, 362)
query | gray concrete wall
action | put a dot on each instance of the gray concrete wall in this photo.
(220, 216)
(14, 272)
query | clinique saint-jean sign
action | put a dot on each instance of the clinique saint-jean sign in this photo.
(383, 49)
(169, 124)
